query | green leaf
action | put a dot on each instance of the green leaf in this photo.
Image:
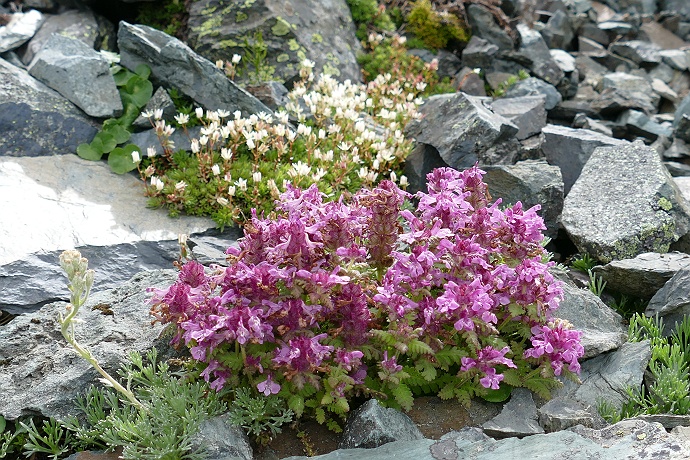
(296, 403)
(88, 152)
(120, 159)
(143, 71)
(140, 90)
(403, 395)
(3, 423)
(418, 347)
(500, 395)
(122, 76)
(107, 141)
(119, 133)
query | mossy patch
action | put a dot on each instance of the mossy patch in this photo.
(283, 57)
(316, 38)
(241, 16)
(665, 204)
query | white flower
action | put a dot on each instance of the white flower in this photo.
(223, 113)
(344, 146)
(156, 182)
(226, 153)
(195, 146)
(250, 143)
(151, 152)
(322, 134)
(182, 118)
(307, 64)
(421, 86)
(403, 181)
(237, 114)
(220, 64)
(394, 177)
(216, 170)
(135, 156)
(231, 190)
(199, 112)
(242, 184)
(147, 114)
(158, 114)
(256, 177)
(299, 169)
(236, 58)
(222, 201)
(180, 186)
(318, 175)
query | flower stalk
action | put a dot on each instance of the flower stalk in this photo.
(80, 283)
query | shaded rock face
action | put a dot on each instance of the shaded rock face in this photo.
(642, 210)
(319, 30)
(672, 301)
(27, 107)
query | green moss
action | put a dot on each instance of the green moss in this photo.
(224, 44)
(283, 57)
(316, 38)
(281, 27)
(436, 29)
(293, 45)
(241, 16)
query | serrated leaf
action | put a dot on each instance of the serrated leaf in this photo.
(420, 348)
(120, 159)
(427, 370)
(326, 399)
(342, 405)
(296, 403)
(320, 415)
(88, 152)
(515, 310)
(447, 392)
(403, 395)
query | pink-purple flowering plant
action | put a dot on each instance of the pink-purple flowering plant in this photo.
(326, 300)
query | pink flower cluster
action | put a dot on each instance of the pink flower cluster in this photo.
(306, 288)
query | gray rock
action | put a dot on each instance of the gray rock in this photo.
(81, 25)
(642, 53)
(533, 47)
(528, 113)
(20, 28)
(75, 202)
(531, 182)
(468, 81)
(461, 128)
(160, 100)
(272, 94)
(661, 35)
(560, 414)
(174, 64)
(293, 30)
(484, 26)
(643, 275)
(668, 421)
(621, 91)
(680, 7)
(679, 170)
(623, 204)
(373, 425)
(149, 138)
(219, 440)
(672, 301)
(602, 328)
(448, 63)
(564, 60)
(43, 374)
(28, 107)
(479, 53)
(606, 377)
(664, 91)
(80, 74)
(570, 149)
(517, 419)
(639, 124)
(534, 86)
(674, 58)
(558, 33)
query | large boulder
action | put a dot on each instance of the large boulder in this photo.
(19, 29)
(672, 301)
(174, 65)
(625, 203)
(292, 30)
(373, 425)
(28, 107)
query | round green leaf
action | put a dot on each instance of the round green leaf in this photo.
(120, 134)
(140, 89)
(123, 76)
(88, 152)
(500, 395)
(107, 141)
(120, 159)
(143, 71)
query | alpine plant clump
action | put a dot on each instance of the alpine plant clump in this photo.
(323, 301)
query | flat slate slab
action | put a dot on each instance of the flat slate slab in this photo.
(63, 202)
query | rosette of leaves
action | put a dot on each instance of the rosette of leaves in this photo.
(135, 91)
(323, 301)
